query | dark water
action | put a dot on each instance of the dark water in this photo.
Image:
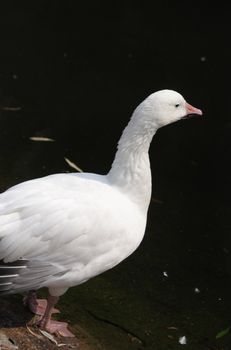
(77, 71)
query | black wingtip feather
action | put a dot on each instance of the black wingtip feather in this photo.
(8, 272)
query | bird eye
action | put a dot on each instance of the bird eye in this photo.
(177, 105)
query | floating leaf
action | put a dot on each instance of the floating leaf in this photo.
(172, 327)
(10, 109)
(41, 139)
(156, 200)
(183, 340)
(222, 333)
(73, 165)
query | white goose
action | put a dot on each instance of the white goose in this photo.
(61, 230)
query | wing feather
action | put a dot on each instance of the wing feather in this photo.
(67, 227)
(52, 222)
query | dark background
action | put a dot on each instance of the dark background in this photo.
(77, 70)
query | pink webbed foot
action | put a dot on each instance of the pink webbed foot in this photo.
(40, 307)
(56, 327)
(51, 326)
(37, 306)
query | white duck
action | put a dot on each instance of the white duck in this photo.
(61, 230)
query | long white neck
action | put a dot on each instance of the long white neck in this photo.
(130, 170)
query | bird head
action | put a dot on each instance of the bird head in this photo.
(168, 106)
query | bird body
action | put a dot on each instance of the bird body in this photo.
(61, 230)
(69, 228)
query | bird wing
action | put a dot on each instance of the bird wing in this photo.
(50, 226)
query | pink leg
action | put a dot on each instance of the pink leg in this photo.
(37, 306)
(53, 326)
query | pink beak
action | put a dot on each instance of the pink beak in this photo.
(192, 110)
